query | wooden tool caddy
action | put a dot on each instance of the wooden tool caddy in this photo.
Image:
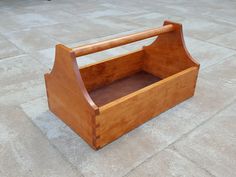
(105, 100)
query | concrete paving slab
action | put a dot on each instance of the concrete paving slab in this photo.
(145, 19)
(8, 23)
(168, 163)
(207, 54)
(68, 33)
(21, 79)
(213, 145)
(227, 40)
(204, 29)
(24, 152)
(79, 8)
(31, 40)
(8, 49)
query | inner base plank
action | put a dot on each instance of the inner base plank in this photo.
(122, 87)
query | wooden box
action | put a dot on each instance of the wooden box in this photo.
(105, 100)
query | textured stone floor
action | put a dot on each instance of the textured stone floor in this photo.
(196, 138)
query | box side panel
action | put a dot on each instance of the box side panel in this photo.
(69, 107)
(124, 114)
(168, 55)
(107, 71)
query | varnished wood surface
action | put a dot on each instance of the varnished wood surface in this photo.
(107, 71)
(167, 55)
(122, 87)
(120, 116)
(105, 100)
(67, 96)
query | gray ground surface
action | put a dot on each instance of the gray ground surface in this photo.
(195, 138)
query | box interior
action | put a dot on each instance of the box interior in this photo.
(122, 87)
(111, 79)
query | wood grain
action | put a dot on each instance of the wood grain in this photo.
(122, 87)
(67, 96)
(107, 71)
(120, 116)
(168, 55)
(105, 100)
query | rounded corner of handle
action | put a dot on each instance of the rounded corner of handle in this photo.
(169, 22)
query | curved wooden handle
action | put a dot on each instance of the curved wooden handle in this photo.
(99, 46)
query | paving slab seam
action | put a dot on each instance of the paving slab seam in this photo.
(47, 70)
(225, 21)
(28, 29)
(12, 57)
(181, 137)
(219, 62)
(22, 55)
(209, 42)
(97, 39)
(212, 42)
(199, 166)
(47, 34)
(111, 36)
(23, 52)
(52, 145)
